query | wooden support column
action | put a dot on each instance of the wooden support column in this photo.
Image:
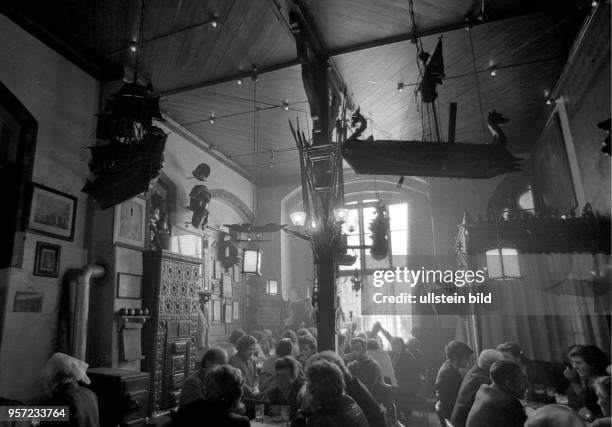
(319, 163)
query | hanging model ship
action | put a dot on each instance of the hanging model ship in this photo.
(129, 153)
(430, 158)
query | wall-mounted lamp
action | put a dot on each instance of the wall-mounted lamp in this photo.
(340, 214)
(251, 261)
(271, 287)
(298, 219)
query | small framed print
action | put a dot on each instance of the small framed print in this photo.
(216, 311)
(129, 286)
(228, 313)
(236, 310)
(227, 286)
(28, 302)
(130, 223)
(52, 212)
(217, 270)
(47, 259)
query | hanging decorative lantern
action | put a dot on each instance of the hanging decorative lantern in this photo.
(503, 263)
(251, 261)
(298, 219)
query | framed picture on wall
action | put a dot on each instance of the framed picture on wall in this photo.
(47, 259)
(228, 313)
(217, 270)
(130, 223)
(227, 286)
(236, 310)
(216, 311)
(129, 286)
(52, 212)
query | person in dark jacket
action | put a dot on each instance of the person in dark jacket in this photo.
(222, 392)
(330, 406)
(498, 405)
(61, 377)
(355, 389)
(366, 369)
(448, 381)
(287, 386)
(475, 377)
(193, 387)
(588, 362)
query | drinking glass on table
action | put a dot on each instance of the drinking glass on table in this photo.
(561, 399)
(259, 412)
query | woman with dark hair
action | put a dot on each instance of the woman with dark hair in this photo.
(330, 405)
(588, 362)
(245, 362)
(222, 392)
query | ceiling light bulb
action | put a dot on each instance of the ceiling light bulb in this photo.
(493, 72)
(211, 119)
(133, 47)
(239, 82)
(214, 23)
(549, 101)
(594, 3)
(400, 87)
(286, 105)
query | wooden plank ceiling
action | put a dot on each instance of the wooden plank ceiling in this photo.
(183, 54)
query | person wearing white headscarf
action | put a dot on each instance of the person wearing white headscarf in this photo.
(61, 376)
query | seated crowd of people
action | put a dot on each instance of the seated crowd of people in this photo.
(360, 384)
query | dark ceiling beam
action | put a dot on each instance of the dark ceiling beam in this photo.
(514, 13)
(100, 69)
(317, 43)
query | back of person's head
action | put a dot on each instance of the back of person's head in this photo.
(307, 341)
(456, 350)
(325, 382)
(291, 335)
(397, 342)
(487, 357)
(258, 335)
(512, 349)
(284, 347)
(507, 376)
(413, 345)
(361, 335)
(313, 331)
(302, 332)
(213, 356)
(236, 335)
(373, 344)
(287, 362)
(61, 369)
(334, 358)
(592, 356)
(245, 342)
(224, 384)
(554, 416)
(416, 331)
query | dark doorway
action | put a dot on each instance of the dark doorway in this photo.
(18, 130)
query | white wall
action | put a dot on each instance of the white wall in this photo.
(63, 99)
